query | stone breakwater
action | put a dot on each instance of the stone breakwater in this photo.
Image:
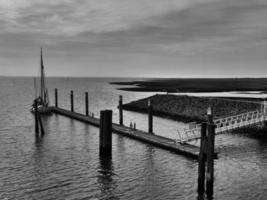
(188, 108)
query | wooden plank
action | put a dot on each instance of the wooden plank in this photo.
(159, 141)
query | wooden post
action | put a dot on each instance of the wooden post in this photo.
(120, 110)
(265, 113)
(36, 118)
(210, 155)
(56, 98)
(202, 160)
(86, 104)
(150, 116)
(210, 115)
(71, 101)
(105, 133)
(41, 124)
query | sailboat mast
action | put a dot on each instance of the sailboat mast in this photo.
(42, 77)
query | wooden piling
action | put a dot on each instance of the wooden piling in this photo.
(210, 160)
(36, 118)
(210, 154)
(209, 115)
(41, 124)
(150, 116)
(56, 98)
(86, 104)
(120, 110)
(71, 101)
(265, 113)
(105, 133)
(202, 159)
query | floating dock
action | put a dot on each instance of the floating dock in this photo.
(156, 140)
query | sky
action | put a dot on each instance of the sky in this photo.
(134, 38)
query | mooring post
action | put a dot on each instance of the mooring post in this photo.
(150, 116)
(210, 154)
(120, 110)
(36, 118)
(41, 124)
(265, 113)
(71, 101)
(56, 98)
(86, 104)
(202, 160)
(210, 115)
(105, 133)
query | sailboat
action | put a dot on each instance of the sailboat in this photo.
(42, 100)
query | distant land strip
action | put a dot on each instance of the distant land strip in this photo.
(196, 85)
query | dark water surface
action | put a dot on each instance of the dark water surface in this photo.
(65, 163)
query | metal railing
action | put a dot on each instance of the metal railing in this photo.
(222, 125)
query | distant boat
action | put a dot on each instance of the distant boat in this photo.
(42, 100)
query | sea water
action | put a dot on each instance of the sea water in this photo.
(65, 163)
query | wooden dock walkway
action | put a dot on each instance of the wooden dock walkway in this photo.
(159, 141)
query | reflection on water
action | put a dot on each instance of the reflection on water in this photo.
(106, 182)
(65, 163)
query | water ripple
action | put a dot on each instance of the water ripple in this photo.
(65, 163)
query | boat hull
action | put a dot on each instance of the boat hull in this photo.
(43, 110)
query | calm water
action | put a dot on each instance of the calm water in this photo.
(65, 163)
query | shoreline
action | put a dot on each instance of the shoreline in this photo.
(176, 85)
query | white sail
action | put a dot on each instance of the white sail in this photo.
(42, 100)
(43, 91)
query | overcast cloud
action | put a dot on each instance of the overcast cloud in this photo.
(177, 38)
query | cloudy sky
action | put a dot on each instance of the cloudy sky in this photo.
(140, 38)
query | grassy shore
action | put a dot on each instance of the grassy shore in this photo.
(189, 108)
(196, 85)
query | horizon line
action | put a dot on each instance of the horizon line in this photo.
(156, 77)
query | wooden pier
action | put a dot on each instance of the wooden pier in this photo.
(156, 140)
(205, 154)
